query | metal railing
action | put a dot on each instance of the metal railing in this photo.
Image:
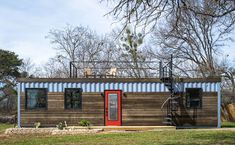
(167, 69)
(123, 68)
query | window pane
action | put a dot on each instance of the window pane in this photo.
(36, 98)
(73, 98)
(112, 107)
(194, 97)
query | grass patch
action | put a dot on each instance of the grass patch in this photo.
(4, 126)
(180, 137)
(228, 124)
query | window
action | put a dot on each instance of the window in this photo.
(113, 106)
(73, 98)
(36, 98)
(194, 97)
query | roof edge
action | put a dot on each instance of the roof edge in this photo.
(73, 80)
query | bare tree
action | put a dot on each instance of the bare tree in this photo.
(88, 50)
(129, 53)
(149, 12)
(56, 67)
(28, 68)
(195, 40)
(228, 80)
(78, 44)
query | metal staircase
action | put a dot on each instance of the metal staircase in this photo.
(172, 102)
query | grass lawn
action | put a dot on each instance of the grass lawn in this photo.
(4, 126)
(228, 124)
(179, 137)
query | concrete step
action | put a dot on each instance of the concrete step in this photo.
(136, 128)
(127, 128)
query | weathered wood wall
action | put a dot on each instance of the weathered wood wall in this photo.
(205, 116)
(92, 110)
(143, 109)
(137, 109)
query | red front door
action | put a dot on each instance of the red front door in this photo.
(112, 107)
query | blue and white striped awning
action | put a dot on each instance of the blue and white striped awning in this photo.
(124, 86)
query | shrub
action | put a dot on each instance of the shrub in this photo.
(84, 123)
(62, 125)
(65, 124)
(37, 124)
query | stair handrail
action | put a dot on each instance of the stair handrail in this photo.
(166, 67)
(168, 98)
(163, 104)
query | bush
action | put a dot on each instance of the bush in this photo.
(84, 123)
(62, 125)
(37, 124)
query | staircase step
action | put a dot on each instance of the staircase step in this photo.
(168, 118)
(174, 108)
(167, 123)
(169, 115)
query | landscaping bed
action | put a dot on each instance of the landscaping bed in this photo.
(50, 131)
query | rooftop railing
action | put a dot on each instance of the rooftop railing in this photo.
(101, 69)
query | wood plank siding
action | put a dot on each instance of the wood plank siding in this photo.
(92, 110)
(138, 108)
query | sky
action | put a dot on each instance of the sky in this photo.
(25, 23)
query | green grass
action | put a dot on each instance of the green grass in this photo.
(228, 124)
(4, 126)
(179, 137)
